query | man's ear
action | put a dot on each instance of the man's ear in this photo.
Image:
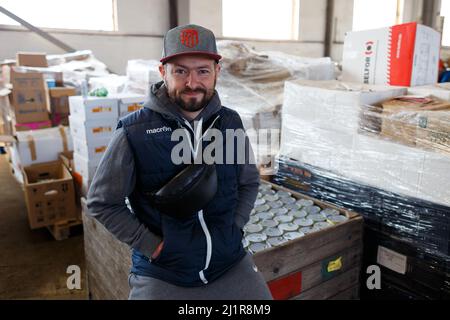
(162, 70)
(218, 68)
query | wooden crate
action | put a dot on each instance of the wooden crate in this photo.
(108, 261)
(63, 230)
(321, 265)
(297, 268)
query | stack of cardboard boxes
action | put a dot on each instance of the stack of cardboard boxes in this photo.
(92, 123)
(34, 107)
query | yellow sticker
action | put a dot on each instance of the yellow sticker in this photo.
(335, 265)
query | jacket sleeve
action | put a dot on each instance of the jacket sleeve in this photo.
(248, 184)
(113, 181)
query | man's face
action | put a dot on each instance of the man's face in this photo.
(190, 80)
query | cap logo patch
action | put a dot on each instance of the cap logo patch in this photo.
(189, 37)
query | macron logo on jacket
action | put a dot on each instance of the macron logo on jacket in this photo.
(158, 130)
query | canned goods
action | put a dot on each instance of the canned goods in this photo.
(277, 241)
(337, 219)
(304, 222)
(317, 217)
(322, 225)
(315, 229)
(283, 194)
(253, 219)
(275, 204)
(305, 203)
(264, 215)
(259, 202)
(269, 223)
(252, 228)
(284, 218)
(293, 235)
(288, 200)
(279, 211)
(273, 232)
(265, 186)
(293, 206)
(271, 197)
(312, 209)
(262, 208)
(257, 237)
(305, 230)
(268, 192)
(245, 243)
(288, 226)
(257, 247)
(299, 214)
(330, 212)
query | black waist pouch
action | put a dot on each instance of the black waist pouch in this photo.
(188, 192)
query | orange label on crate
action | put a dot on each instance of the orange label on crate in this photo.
(100, 149)
(134, 107)
(101, 129)
(286, 287)
(101, 109)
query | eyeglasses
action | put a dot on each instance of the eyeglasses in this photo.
(183, 73)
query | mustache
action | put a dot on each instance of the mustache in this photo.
(198, 90)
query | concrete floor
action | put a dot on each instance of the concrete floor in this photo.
(32, 264)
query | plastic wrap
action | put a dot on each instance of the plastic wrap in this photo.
(113, 83)
(252, 83)
(141, 74)
(75, 67)
(332, 148)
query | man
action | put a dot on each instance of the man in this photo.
(199, 256)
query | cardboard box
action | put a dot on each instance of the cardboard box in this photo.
(417, 121)
(32, 126)
(84, 166)
(67, 159)
(93, 108)
(92, 129)
(49, 194)
(31, 59)
(59, 99)
(128, 104)
(402, 55)
(43, 145)
(438, 90)
(84, 170)
(93, 150)
(30, 98)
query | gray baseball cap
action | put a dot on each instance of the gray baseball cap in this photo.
(189, 39)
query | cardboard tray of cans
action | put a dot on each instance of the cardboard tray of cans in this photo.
(305, 248)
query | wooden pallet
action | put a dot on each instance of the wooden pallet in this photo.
(63, 230)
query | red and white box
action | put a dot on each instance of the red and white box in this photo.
(402, 55)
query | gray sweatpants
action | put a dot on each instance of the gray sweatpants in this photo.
(242, 282)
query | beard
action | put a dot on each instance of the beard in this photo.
(192, 104)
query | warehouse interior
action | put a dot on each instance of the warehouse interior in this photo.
(346, 106)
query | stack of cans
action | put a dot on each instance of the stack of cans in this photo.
(278, 217)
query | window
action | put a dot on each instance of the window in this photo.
(369, 14)
(62, 14)
(261, 19)
(445, 12)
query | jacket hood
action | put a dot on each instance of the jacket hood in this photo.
(160, 102)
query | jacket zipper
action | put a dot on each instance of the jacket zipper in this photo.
(200, 213)
(208, 246)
